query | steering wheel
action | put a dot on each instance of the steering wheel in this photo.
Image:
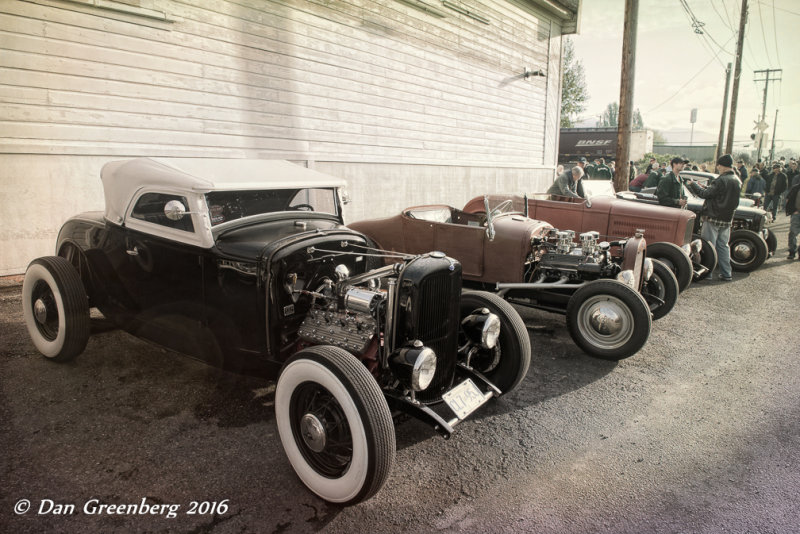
(501, 208)
(302, 207)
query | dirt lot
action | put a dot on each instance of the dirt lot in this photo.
(699, 432)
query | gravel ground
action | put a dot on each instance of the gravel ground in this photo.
(698, 432)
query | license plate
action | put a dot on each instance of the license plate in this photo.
(464, 399)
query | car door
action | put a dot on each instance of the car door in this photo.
(161, 274)
(431, 228)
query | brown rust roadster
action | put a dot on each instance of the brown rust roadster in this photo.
(668, 230)
(528, 262)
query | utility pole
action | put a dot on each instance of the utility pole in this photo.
(718, 151)
(774, 129)
(736, 76)
(625, 113)
(768, 77)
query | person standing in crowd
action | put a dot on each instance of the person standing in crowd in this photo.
(650, 164)
(793, 211)
(742, 171)
(670, 189)
(631, 171)
(793, 174)
(588, 168)
(776, 185)
(756, 183)
(722, 199)
(652, 177)
(602, 171)
(566, 185)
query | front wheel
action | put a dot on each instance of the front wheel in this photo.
(661, 291)
(608, 319)
(334, 424)
(707, 257)
(507, 363)
(675, 258)
(748, 250)
(772, 243)
(55, 308)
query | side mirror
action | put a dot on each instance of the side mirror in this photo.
(175, 210)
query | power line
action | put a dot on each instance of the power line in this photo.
(783, 9)
(775, 33)
(763, 33)
(728, 23)
(690, 80)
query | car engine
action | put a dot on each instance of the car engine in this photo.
(557, 257)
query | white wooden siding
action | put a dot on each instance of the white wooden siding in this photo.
(353, 80)
(408, 107)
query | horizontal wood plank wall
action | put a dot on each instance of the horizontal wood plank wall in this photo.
(374, 90)
(346, 81)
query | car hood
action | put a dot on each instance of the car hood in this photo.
(248, 242)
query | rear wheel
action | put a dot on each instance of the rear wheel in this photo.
(507, 363)
(661, 291)
(676, 259)
(334, 424)
(748, 250)
(55, 308)
(706, 258)
(608, 319)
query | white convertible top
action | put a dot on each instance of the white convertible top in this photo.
(122, 179)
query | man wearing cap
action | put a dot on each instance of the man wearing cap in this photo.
(776, 185)
(670, 190)
(566, 184)
(722, 199)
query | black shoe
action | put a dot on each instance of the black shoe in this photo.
(790, 256)
(725, 278)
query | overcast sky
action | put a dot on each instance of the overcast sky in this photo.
(676, 69)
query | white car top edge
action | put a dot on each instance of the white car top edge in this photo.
(122, 179)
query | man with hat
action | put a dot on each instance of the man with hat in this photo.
(776, 185)
(670, 190)
(722, 199)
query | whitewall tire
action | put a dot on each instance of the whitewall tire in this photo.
(55, 308)
(334, 424)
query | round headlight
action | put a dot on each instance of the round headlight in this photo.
(424, 369)
(491, 331)
(648, 268)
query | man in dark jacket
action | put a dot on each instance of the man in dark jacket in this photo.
(601, 171)
(742, 171)
(652, 176)
(792, 175)
(793, 211)
(670, 190)
(722, 198)
(776, 185)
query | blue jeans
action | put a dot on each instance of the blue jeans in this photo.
(794, 230)
(719, 236)
(771, 205)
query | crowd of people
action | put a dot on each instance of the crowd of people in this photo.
(774, 186)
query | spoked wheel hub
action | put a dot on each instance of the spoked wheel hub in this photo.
(320, 429)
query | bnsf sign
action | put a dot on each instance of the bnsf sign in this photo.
(593, 142)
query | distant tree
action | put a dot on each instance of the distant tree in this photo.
(610, 115)
(573, 91)
(658, 138)
(637, 123)
(744, 156)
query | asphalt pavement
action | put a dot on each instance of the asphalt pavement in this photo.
(697, 433)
